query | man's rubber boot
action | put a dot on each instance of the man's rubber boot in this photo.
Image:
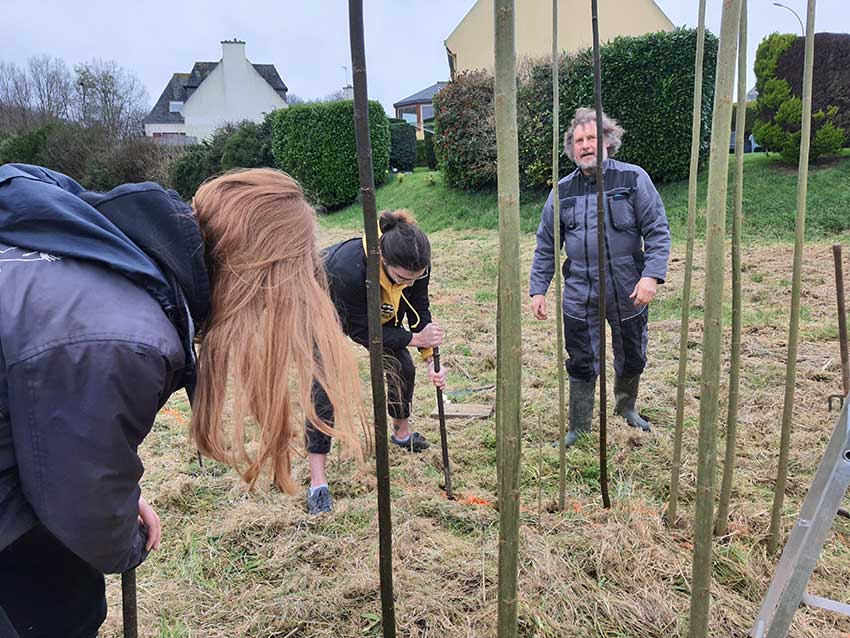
(582, 394)
(625, 395)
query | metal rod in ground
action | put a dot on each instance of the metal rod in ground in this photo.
(796, 286)
(600, 247)
(540, 469)
(696, 143)
(444, 438)
(508, 323)
(842, 318)
(722, 523)
(718, 177)
(556, 226)
(129, 608)
(373, 295)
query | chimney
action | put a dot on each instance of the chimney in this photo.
(232, 51)
(348, 92)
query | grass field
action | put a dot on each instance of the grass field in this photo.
(770, 199)
(234, 563)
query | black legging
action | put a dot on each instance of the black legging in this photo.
(401, 375)
(47, 591)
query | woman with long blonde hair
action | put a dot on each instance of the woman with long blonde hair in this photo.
(104, 297)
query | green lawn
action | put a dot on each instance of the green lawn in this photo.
(770, 196)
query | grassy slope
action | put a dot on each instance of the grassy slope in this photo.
(770, 196)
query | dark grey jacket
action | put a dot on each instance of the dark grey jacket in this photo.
(637, 239)
(87, 358)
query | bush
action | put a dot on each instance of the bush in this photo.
(830, 77)
(248, 146)
(425, 152)
(403, 146)
(465, 137)
(780, 105)
(315, 143)
(26, 147)
(647, 86)
(190, 170)
(131, 161)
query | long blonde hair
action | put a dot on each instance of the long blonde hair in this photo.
(272, 327)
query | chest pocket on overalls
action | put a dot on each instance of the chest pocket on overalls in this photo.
(568, 214)
(621, 209)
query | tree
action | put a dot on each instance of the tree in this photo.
(52, 87)
(109, 96)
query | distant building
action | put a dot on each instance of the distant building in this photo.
(416, 109)
(193, 105)
(470, 45)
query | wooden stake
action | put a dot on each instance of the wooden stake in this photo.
(508, 327)
(373, 294)
(796, 285)
(735, 364)
(600, 247)
(696, 143)
(556, 225)
(718, 175)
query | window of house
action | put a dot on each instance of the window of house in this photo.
(427, 111)
(408, 114)
(175, 107)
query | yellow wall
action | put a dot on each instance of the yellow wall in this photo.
(472, 39)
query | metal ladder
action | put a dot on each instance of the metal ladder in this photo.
(788, 587)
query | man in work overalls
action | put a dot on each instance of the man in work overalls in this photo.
(637, 246)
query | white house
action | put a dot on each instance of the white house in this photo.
(194, 105)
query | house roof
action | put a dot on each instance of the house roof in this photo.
(181, 86)
(422, 97)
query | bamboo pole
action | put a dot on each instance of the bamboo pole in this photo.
(508, 327)
(600, 247)
(696, 143)
(718, 175)
(796, 284)
(373, 294)
(735, 363)
(556, 223)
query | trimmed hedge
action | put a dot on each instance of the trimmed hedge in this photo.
(403, 146)
(315, 144)
(425, 155)
(647, 86)
(779, 105)
(249, 146)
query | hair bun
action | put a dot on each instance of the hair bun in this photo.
(388, 220)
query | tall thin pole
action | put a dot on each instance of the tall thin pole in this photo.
(718, 175)
(737, 220)
(508, 328)
(842, 318)
(373, 298)
(600, 247)
(796, 284)
(556, 221)
(696, 143)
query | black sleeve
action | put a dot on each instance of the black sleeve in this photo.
(79, 412)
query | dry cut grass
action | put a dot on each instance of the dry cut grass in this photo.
(240, 564)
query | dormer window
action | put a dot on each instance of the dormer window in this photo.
(175, 107)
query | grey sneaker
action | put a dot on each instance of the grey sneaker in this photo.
(416, 442)
(320, 501)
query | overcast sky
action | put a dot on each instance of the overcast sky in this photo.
(307, 40)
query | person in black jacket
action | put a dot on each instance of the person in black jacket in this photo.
(405, 273)
(103, 295)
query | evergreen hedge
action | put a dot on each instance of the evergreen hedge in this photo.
(315, 143)
(647, 85)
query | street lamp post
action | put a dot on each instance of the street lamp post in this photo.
(802, 28)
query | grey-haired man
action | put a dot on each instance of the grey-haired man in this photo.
(637, 246)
